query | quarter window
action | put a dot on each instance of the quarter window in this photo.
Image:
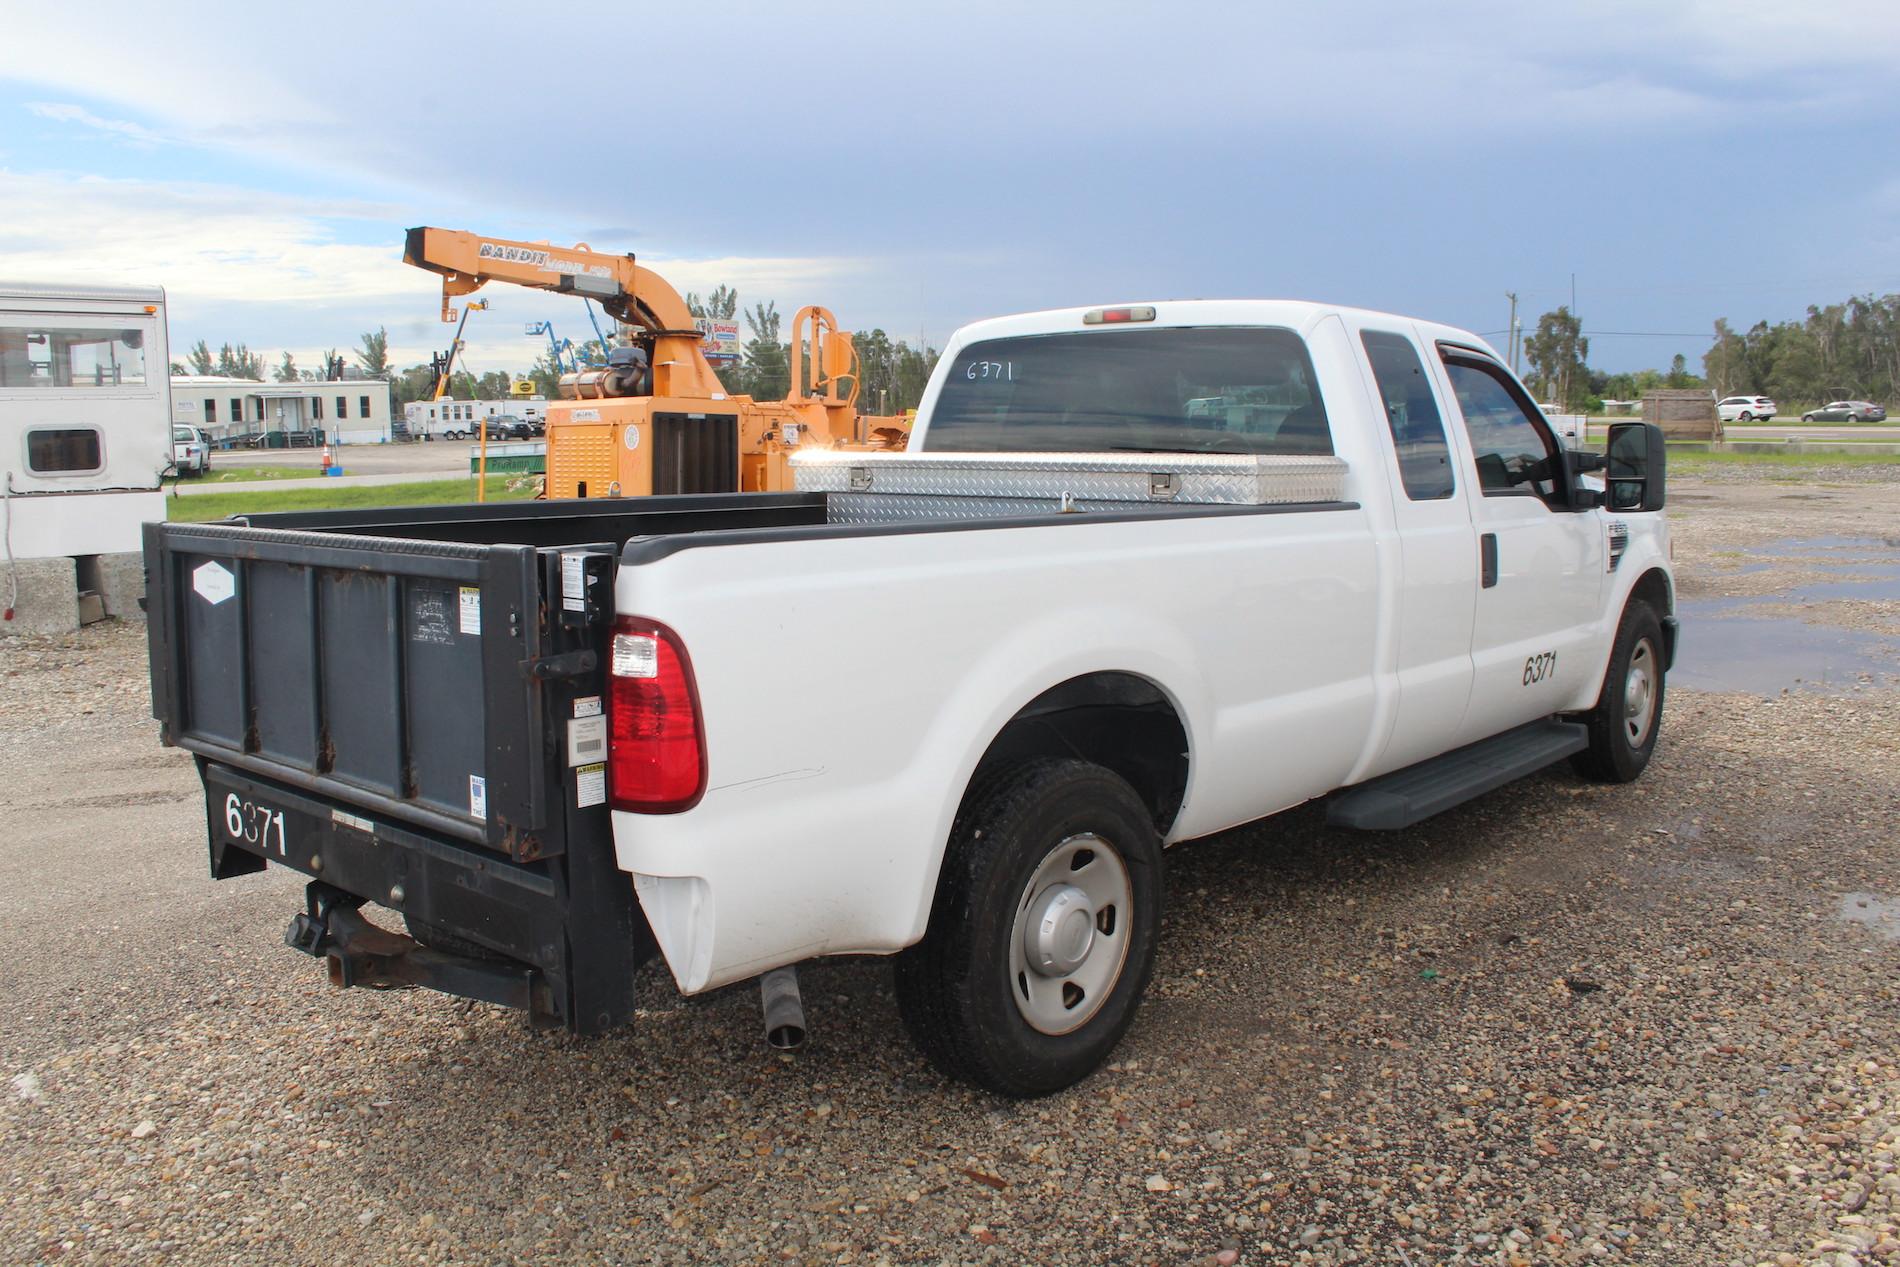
(61, 356)
(64, 451)
(1510, 441)
(1418, 431)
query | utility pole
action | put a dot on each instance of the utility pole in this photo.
(1510, 331)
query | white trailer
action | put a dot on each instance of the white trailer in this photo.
(85, 437)
(456, 419)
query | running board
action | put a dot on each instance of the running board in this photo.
(1414, 794)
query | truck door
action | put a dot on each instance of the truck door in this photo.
(1438, 555)
(1541, 564)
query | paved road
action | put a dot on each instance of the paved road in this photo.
(189, 488)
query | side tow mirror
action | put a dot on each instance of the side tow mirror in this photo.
(1636, 466)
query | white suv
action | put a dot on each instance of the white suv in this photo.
(1745, 409)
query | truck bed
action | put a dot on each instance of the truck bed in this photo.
(395, 703)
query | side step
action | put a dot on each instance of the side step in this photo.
(1414, 794)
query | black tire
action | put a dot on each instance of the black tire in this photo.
(955, 989)
(1746, 417)
(1620, 743)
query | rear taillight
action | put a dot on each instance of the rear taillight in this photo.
(656, 752)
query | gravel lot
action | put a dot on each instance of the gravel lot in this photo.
(1567, 1023)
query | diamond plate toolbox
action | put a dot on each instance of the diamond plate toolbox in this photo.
(1032, 482)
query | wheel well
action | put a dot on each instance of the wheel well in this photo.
(1115, 720)
(1652, 587)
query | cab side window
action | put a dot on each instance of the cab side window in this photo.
(1515, 452)
(1418, 432)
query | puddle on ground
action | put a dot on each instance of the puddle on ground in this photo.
(1724, 648)
(1882, 914)
(1794, 546)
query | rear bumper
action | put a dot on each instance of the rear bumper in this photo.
(565, 953)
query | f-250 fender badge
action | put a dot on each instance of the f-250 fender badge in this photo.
(1618, 543)
(214, 582)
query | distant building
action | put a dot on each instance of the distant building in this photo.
(347, 411)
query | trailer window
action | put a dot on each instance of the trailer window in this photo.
(1418, 432)
(342, 407)
(362, 406)
(57, 356)
(65, 451)
(1199, 389)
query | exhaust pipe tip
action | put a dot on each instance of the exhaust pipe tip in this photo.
(784, 1010)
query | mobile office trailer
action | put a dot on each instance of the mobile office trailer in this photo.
(85, 437)
(246, 412)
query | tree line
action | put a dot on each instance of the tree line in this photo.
(892, 373)
(1844, 351)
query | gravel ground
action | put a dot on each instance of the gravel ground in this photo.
(1566, 1023)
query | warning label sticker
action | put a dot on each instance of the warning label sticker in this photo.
(590, 785)
(471, 610)
(478, 797)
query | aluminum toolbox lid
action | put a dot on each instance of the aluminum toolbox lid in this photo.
(1230, 479)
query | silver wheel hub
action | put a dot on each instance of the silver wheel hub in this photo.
(1061, 930)
(1639, 694)
(1070, 935)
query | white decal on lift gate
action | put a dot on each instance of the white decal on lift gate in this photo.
(573, 582)
(586, 740)
(429, 617)
(587, 706)
(590, 786)
(471, 610)
(214, 582)
(478, 797)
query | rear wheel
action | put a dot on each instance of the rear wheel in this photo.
(1746, 417)
(1628, 716)
(1042, 936)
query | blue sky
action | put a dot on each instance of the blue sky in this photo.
(915, 167)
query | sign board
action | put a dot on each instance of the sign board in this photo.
(719, 338)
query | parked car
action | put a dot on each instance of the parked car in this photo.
(507, 427)
(1847, 411)
(191, 453)
(1123, 626)
(1745, 409)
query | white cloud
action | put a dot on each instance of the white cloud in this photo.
(123, 129)
(275, 272)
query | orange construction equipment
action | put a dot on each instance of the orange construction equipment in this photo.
(656, 418)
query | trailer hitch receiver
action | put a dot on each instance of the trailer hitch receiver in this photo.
(358, 954)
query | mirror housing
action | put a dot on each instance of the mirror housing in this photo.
(1636, 467)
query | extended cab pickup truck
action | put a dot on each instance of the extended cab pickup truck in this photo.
(1143, 574)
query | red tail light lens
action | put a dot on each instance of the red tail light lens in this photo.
(656, 751)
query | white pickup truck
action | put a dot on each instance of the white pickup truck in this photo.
(1145, 573)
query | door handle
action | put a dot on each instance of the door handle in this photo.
(1488, 560)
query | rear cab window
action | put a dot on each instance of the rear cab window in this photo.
(1201, 389)
(1411, 413)
(1511, 444)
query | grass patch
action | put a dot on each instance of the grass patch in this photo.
(246, 474)
(1680, 459)
(206, 506)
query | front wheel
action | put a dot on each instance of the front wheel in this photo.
(1042, 935)
(1807, 417)
(1628, 715)
(1746, 417)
